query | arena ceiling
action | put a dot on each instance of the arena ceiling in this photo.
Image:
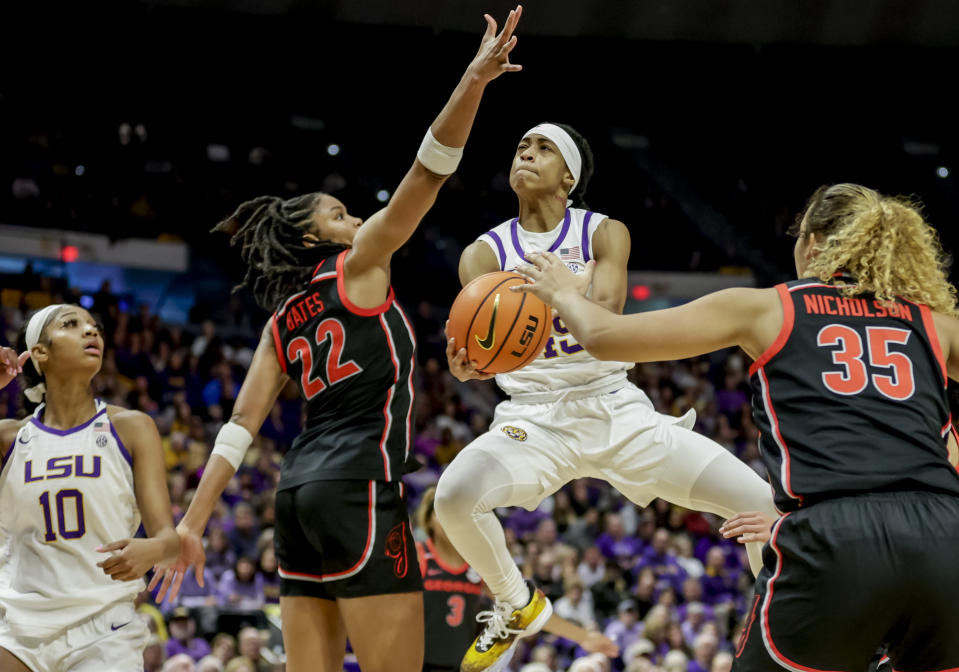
(933, 23)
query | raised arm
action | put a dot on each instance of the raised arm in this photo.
(750, 318)
(259, 391)
(387, 230)
(11, 365)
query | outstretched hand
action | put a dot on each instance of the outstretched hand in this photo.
(597, 642)
(11, 365)
(748, 527)
(492, 59)
(551, 277)
(170, 576)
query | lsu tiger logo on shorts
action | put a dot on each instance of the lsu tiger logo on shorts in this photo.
(514, 433)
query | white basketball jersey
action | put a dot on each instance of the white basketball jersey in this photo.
(63, 493)
(563, 365)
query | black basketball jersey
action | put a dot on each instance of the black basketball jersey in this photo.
(451, 600)
(851, 397)
(354, 368)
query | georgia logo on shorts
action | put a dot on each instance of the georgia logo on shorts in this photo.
(514, 433)
(396, 549)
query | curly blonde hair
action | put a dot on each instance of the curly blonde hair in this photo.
(883, 241)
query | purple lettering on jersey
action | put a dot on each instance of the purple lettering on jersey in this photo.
(28, 476)
(62, 523)
(79, 467)
(59, 467)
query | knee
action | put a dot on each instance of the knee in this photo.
(453, 497)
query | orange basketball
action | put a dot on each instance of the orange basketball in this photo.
(501, 330)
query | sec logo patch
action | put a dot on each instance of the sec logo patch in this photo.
(575, 267)
(514, 433)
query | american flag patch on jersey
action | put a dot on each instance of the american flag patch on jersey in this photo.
(569, 252)
(101, 426)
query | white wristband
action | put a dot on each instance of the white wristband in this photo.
(438, 158)
(231, 443)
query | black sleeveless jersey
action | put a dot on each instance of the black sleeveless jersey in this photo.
(851, 398)
(451, 598)
(354, 369)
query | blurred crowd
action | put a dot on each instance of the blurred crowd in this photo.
(657, 580)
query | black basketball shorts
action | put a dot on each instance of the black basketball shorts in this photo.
(848, 575)
(346, 538)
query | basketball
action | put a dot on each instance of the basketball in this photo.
(501, 330)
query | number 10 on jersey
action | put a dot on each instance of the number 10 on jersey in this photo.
(59, 510)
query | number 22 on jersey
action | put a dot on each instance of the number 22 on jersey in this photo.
(336, 371)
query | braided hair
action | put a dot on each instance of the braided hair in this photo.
(269, 231)
(578, 194)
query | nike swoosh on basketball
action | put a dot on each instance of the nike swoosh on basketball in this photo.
(117, 627)
(487, 343)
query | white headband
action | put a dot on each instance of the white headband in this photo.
(32, 337)
(35, 325)
(566, 146)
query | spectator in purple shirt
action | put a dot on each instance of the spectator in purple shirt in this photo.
(657, 557)
(182, 630)
(245, 534)
(271, 579)
(719, 584)
(615, 545)
(704, 650)
(627, 628)
(219, 556)
(241, 588)
(201, 601)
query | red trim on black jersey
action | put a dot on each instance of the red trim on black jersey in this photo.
(350, 306)
(771, 648)
(387, 413)
(789, 318)
(785, 471)
(409, 412)
(930, 326)
(744, 638)
(439, 561)
(278, 343)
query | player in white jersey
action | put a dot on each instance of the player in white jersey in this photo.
(77, 475)
(569, 415)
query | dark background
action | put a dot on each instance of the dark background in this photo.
(711, 122)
